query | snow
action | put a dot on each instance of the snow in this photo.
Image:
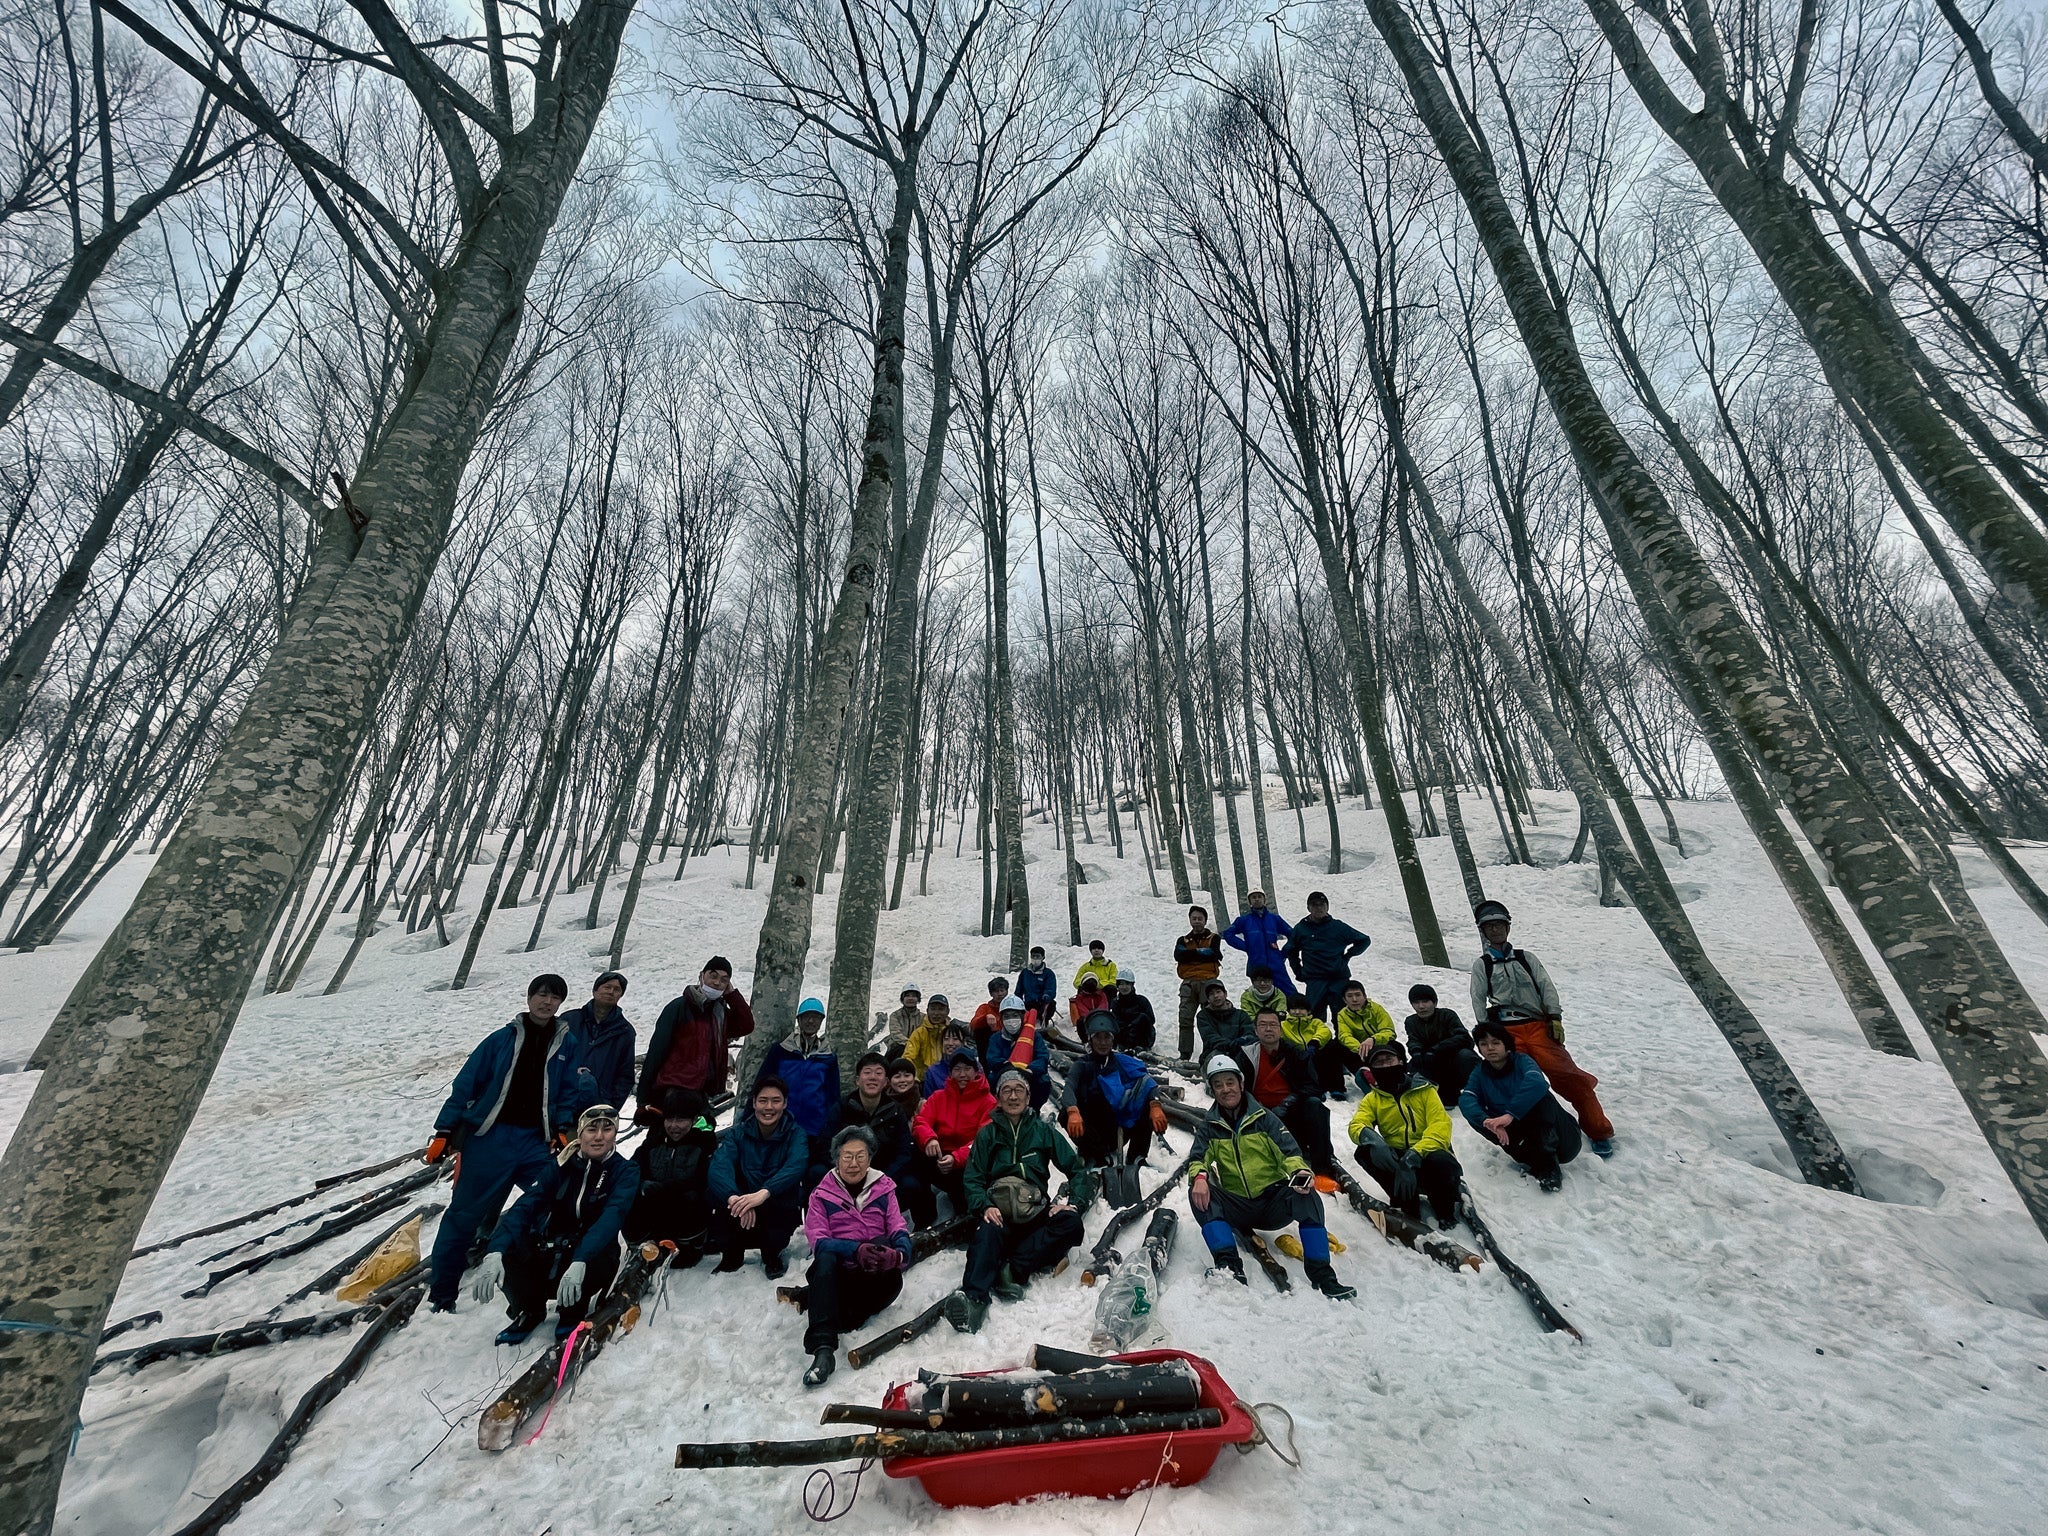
(1758, 1354)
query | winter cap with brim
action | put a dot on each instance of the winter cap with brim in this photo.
(1102, 1022)
(1390, 1048)
(1123, 976)
(1219, 1065)
(1216, 986)
(937, 1000)
(810, 1005)
(1494, 1028)
(1491, 912)
(957, 1057)
(1013, 1075)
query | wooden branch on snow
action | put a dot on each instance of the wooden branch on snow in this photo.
(886, 1444)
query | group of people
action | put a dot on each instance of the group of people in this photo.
(958, 1108)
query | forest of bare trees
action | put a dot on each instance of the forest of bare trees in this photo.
(459, 465)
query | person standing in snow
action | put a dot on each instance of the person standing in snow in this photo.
(674, 1160)
(1136, 1028)
(604, 1071)
(1281, 1078)
(1321, 948)
(1507, 1100)
(1261, 935)
(1510, 987)
(1197, 960)
(1403, 1138)
(561, 1239)
(690, 1041)
(1008, 1179)
(757, 1182)
(1249, 1176)
(1039, 987)
(1110, 1097)
(1439, 1044)
(947, 1124)
(517, 1090)
(860, 1246)
(1098, 964)
(906, 1017)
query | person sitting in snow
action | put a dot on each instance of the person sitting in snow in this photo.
(1507, 1100)
(1280, 1076)
(860, 1246)
(1249, 1176)
(561, 1237)
(913, 1190)
(1317, 1041)
(1262, 993)
(1439, 1044)
(906, 1017)
(1110, 1097)
(1136, 1028)
(757, 1182)
(988, 1017)
(1361, 1025)
(1009, 1180)
(604, 1071)
(1088, 997)
(674, 1161)
(1020, 1043)
(925, 1048)
(1404, 1138)
(1038, 986)
(1223, 1025)
(691, 1040)
(1098, 964)
(516, 1092)
(1510, 987)
(958, 1036)
(946, 1126)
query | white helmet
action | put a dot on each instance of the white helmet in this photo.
(1220, 1064)
(1013, 1004)
(1124, 974)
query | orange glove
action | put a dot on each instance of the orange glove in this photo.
(1074, 1124)
(436, 1149)
(1158, 1119)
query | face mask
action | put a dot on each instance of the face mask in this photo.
(1390, 1079)
(1013, 1025)
(712, 989)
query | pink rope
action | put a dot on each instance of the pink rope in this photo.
(561, 1375)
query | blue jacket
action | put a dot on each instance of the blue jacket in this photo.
(996, 1057)
(479, 1092)
(1260, 935)
(1040, 991)
(1121, 1082)
(1517, 1087)
(583, 1204)
(813, 1084)
(604, 1069)
(749, 1159)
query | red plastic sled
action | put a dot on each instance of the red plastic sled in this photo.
(1084, 1469)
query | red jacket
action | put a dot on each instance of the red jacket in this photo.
(955, 1118)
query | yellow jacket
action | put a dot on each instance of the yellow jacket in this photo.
(1103, 971)
(1415, 1122)
(1308, 1031)
(1361, 1031)
(921, 1050)
(1251, 1003)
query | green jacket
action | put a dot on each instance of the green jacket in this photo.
(1247, 1158)
(1028, 1148)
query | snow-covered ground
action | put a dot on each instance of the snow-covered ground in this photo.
(1759, 1355)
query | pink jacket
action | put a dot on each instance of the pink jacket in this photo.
(838, 1220)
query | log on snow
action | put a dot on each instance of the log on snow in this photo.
(886, 1444)
(339, 1270)
(228, 1341)
(1545, 1310)
(873, 1349)
(319, 1186)
(881, 1418)
(382, 1192)
(930, 1240)
(388, 1201)
(1112, 1391)
(1397, 1228)
(1047, 1357)
(391, 1316)
(1104, 1257)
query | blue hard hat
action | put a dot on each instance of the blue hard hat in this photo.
(809, 1005)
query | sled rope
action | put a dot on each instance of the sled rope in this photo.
(1259, 1436)
(825, 1497)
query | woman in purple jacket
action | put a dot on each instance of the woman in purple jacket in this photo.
(860, 1245)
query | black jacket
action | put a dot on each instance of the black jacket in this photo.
(1442, 1028)
(668, 1167)
(580, 1207)
(1135, 1026)
(1322, 951)
(891, 1126)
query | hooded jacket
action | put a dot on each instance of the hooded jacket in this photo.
(699, 1028)
(480, 1087)
(583, 1204)
(1029, 1149)
(751, 1159)
(1306, 1031)
(1412, 1121)
(1103, 970)
(1251, 1002)
(838, 1220)
(1118, 1081)
(953, 1118)
(676, 1165)
(996, 1055)
(1039, 989)
(901, 1022)
(1260, 935)
(926, 1044)
(1323, 950)
(1222, 1029)
(1362, 1031)
(1513, 1088)
(1247, 1157)
(1511, 989)
(940, 1070)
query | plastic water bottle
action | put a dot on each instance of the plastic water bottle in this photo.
(1125, 1318)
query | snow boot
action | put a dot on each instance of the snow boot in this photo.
(440, 1306)
(1551, 1182)
(1602, 1148)
(1228, 1261)
(798, 1296)
(965, 1313)
(820, 1369)
(730, 1262)
(515, 1332)
(1324, 1279)
(775, 1265)
(1008, 1286)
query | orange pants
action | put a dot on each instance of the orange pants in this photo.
(1573, 1083)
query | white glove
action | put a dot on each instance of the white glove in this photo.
(570, 1291)
(488, 1275)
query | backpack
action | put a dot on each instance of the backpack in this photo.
(1518, 958)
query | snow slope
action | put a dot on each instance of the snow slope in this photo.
(1758, 1354)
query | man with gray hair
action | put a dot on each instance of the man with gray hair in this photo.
(860, 1245)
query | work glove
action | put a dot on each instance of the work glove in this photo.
(1074, 1124)
(1404, 1187)
(1158, 1119)
(437, 1148)
(1302, 1182)
(647, 1115)
(1557, 1030)
(878, 1258)
(570, 1291)
(488, 1275)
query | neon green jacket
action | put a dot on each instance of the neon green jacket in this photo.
(1247, 1158)
(1362, 1031)
(1103, 971)
(1415, 1122)
(1308, 1031)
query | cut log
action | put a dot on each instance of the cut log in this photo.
(1397, 1228)
(320, 1186)
(1104, 1257)
(992, 1402)
(363, 1173)
(392, 1315)
(886, 1444)
(1552, 1319)
(902, 1333)
(947, 1234)
(1045, 1357)
(228, 1341)
(884, 1418)
(616, 1314)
